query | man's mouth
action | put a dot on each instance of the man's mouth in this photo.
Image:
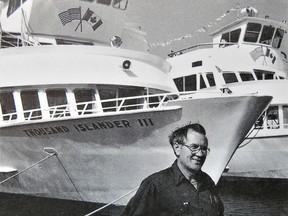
(197, 160)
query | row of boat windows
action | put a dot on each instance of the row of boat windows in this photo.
(275, 117)
(31, 100)
(256, 33)
(118, 4)
(205, 80)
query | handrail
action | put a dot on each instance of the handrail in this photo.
(86, 108)
(211, 44)
(20, 40)
(199, 46)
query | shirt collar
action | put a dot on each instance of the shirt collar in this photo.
(178, 175)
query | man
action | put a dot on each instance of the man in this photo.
(183, 188)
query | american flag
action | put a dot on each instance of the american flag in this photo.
(256, 53)
(69, 15)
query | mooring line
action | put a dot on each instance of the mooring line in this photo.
(50, 155)
(70, 178)
(116, 200)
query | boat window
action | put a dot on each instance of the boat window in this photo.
(31, 105)
(179, 83)
(130, 104)
(14, 5)
(57, 97)
(190, 83)
(106, 94)
(264, 75)
(230, 77)
(269, 76)
(278, 38)
(267, 35)
(120, 4)
(246, 77)
(252, 32)
(234, 35)
(273, 117)
(8, 106)
(202, 82)
(84, 98)
(197, 64)
(231, 37)
(285, 116)
(210, 78)
(225, 38)
(106, 2)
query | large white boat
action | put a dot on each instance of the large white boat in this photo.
(87, 122)
(247, 55)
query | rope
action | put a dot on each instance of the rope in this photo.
(28, 29)
(70, 178)
(258, 130)
(50, 155)
(116, 200)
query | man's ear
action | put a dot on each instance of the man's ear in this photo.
(176, 147)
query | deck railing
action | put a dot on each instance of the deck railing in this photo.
(200, 46)
(14, 40)
(117, 105)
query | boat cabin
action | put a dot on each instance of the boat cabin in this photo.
(247, 50)
(13, 5)
(75, 81)
(71, 22)
(206, 79)
(28, 104)
(251, 30)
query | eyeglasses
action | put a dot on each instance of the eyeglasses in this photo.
(194, 148)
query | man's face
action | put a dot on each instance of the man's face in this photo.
(187, 159)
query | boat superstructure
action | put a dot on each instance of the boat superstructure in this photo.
(247, 55)
(89, 123)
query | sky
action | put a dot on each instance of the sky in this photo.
(166, 20)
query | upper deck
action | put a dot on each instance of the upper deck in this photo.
(247, 31)
(93, 22)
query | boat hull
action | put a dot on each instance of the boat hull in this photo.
(264, 157)
(100, 165)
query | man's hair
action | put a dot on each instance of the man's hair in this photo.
(180, 133)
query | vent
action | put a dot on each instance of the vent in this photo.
(197, 64)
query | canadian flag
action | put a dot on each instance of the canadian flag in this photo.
(94, 20)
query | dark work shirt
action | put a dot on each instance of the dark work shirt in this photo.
(169, 193)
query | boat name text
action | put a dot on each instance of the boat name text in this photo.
(84, 127)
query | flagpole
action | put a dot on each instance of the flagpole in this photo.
(80, 17)
(80, 23)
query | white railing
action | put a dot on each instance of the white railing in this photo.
(117, 105)
(220, 45)
(13, 40)
(200, 46)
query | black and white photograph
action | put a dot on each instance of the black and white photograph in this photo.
(143, 107)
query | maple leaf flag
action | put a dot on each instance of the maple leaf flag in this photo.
(94, 20)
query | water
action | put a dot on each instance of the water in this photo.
(254, 197)
(241, 197)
